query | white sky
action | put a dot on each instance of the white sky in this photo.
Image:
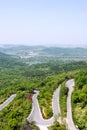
(43, 22)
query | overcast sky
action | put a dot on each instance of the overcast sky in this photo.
(43, 22)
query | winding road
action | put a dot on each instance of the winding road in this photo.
(70, 85)
(36, 115)
(10, 99)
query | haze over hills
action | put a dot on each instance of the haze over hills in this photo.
(62, 45)
(24, 50)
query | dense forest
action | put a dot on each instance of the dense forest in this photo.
(18, 77)
(79, 100)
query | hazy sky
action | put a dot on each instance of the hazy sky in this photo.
(43, 22)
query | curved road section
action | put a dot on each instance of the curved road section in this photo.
(70, 85)
(36, 115)
(56, 105)
(10, 99)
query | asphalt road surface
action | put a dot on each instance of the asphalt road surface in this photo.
(36, 115)
(10, 99)
(70, 85)
(55, 103)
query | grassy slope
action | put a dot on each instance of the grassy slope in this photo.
(79, 100)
